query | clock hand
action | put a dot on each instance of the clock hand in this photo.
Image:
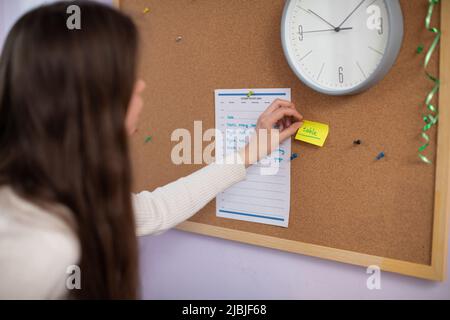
(351, 13)
(314, 31)
(334, 28)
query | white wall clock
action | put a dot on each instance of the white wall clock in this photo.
(341, 47)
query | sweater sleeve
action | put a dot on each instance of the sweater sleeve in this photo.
(167, 206)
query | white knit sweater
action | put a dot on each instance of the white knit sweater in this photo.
(37, 247)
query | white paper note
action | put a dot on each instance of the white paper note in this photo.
(264, 197)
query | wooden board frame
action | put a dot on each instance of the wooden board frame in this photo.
(437, 270)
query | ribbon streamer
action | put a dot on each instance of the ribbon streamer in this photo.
(432, 117)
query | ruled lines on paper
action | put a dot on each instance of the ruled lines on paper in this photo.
(264, 197)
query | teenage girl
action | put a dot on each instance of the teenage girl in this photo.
(69, 99)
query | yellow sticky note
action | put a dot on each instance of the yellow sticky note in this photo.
(313, 132)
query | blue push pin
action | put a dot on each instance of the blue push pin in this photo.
(294, 156)
(381, 156)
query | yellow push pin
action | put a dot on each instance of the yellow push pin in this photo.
(146, 10)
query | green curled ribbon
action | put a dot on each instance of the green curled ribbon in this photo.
(432, 117)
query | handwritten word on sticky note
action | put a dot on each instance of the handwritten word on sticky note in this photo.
(313, 132)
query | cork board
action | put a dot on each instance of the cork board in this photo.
(342, 198)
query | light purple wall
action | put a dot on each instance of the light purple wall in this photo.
(178, 265)
(10, 10)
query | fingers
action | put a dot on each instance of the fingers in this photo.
(283, 112)
(278, 103)
(288, 121)
(282, 115)
(290, 131)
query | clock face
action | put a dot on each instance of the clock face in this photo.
(337, 46)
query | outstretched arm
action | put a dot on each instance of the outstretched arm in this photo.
(170, 205)
(176, 202)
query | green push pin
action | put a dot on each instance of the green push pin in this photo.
(419, 49)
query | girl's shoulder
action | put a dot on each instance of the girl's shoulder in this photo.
(37, 249)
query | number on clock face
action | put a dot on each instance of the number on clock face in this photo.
(337, 44)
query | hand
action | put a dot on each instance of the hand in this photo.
(280, 121)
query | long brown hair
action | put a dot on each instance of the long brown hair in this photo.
(63, 102)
